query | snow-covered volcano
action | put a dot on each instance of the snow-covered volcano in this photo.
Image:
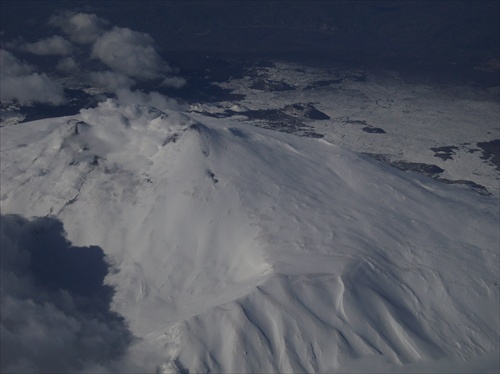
(239, 249)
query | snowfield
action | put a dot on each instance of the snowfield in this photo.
(234, 248)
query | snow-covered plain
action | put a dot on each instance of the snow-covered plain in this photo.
(239, 249)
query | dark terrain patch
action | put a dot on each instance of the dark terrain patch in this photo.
(323, 83)
(491, 152)
(355, 77)
(418, 167)
(306, 111)
(444, 153)
(473, 185)
(429, 170)
(271, 86)
(290, 119)
(373, 130)
(212, 176)
(356, 122)
(279, 120)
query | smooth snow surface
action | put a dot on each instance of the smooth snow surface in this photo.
(238, 249)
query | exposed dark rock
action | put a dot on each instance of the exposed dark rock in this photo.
(373, 130)
(432, 171)
(272, 86)
(278, 120)
(356, 122)
(312, 134)
(418, 167)
(212, 176)
(95, 160)
(473, 185)
(444, 153)
(305, 111)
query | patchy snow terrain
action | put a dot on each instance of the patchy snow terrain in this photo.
(239, 249)
(396, 117)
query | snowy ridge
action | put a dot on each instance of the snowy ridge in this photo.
(237, 249)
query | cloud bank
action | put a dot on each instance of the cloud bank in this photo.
(110, 57)
(129, 52)
(55, 314)
(19, 82)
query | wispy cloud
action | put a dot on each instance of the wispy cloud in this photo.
(176, 82)
(55, 45)
(110, 80)
(67, 65)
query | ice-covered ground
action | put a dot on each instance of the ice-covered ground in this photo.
(240, 249)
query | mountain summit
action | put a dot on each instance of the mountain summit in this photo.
(238, 249)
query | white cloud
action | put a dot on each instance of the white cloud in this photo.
(81, 28)
(110, 81)
(176, 82)
(67, 65)
(16, 83)
(153, 99)
(130, 56)
(129, 52)
(32, 88)
(11, 66)
(55, 45)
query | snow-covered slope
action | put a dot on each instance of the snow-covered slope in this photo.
(238, 249)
